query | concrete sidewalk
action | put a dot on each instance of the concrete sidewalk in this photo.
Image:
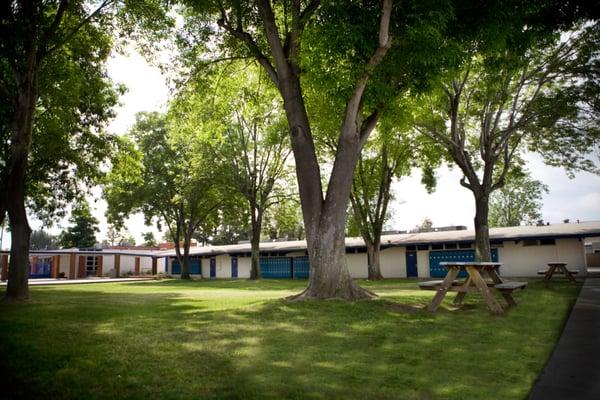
(39, 282)
(573, 371)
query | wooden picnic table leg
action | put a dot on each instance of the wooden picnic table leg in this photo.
(458, 300)
(443, 289)
(549, 272)
(493, 273)
(485, 291)
(567, 273)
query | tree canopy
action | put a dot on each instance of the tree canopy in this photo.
(82, 232)
(166, 176)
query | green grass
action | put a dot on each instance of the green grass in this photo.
(240, 339)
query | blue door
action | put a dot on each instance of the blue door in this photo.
(411, 264)
(234, 266)
(300, 267)
(436, 257)
(276, 267)
(175, 267)
(194, 267)
(213, 267)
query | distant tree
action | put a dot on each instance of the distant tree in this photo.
(42, 240)
(149, 239)
(390, 155)
(233, 223)
(425, 226)
(113, 235)
(55, 98)
(127, 240)
(518, 202)
(502, 104)
(82, 232)
(251, 146)
(284, 221)
(168, 177)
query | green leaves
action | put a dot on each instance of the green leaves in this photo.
(518, 202)
(82, 232)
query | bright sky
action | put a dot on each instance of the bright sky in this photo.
(577, 198)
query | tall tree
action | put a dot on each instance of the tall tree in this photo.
(371, 193)
(425, 226)
(518, 202)
(502, 103)
(254, 147)
(149, 239)
(83, 229)
(166, 178)
(33, 35)
(273, 35)
(284, 220)
(42, 240)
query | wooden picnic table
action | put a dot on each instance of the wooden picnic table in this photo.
(558, 267)
(482, 277)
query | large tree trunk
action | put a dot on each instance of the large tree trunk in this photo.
(255, 255)
(373, 259)
(185, 265)
(256, 225)
(18, 273)
(329, 277)
(482, 229)
(324, 220)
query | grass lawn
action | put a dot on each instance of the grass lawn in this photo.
(239, 340)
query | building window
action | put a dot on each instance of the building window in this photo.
(547, 242)
(437, 247)
(451, 246)
(91, 265)
(423, 247)
(464, 245)
(411, 248)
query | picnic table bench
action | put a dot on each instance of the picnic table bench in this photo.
(474, 283)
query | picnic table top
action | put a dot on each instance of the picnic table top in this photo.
(557, 263)
(470, 264)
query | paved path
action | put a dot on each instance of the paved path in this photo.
(573, 371)
(37, 282)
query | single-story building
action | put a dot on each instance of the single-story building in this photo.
(83, 263)
(522, 250)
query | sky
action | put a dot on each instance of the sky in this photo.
(450, 204)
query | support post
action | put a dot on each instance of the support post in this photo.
(81, 271)
(55, 267)
(72, 258)
(137, 266)
(154, 266)
(99, 265)
(117, 265)
(4, 267)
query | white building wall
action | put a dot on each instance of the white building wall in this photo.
(393, 262)
(65, 259)
(244, 267)
(423, 264)
(525, 261)
(205, 262)
(357, 265)
(223, 267)
(108, 264)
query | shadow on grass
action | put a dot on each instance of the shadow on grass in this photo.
(236, 284)
(95, 343)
